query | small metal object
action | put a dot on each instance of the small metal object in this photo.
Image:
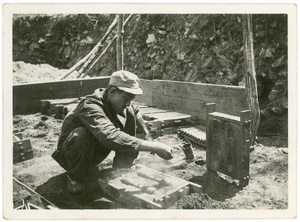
(35, 193)
(187, 149)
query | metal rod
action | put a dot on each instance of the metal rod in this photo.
(32, 191)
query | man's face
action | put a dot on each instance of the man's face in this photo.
(120, 100)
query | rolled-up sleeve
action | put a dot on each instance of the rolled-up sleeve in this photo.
(93, 118)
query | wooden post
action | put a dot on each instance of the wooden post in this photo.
(98, 58)
(120, 43)
(244, 151)
(250, 76)
(83, 63)
(105, 50)
(210, 108)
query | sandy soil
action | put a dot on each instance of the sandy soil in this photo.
(267, 189)
(29, 73)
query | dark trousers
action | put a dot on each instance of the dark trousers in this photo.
(81, 151)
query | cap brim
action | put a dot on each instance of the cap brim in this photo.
(137, 91)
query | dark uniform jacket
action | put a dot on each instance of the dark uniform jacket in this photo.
(96, 114)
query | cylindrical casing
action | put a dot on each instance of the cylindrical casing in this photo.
(188, 151)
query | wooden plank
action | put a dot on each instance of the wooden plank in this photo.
(19, 130)
(195, 188)
(144, 202)
(110, 189)
(146, 97)
(244, 151)
(193, 90)
(62, 101)
(27, 97)
(226, 117)
(164, 123)
(166, 115)
(146, 110)
(140, 104)
(59, 107)
(160, 132)
(19, 135)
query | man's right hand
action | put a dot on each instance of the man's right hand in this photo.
(162, 150)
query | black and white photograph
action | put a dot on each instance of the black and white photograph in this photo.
(149, 111)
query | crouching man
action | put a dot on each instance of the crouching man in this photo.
(102, 122)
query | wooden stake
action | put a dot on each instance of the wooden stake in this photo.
(105, 50)
(88, 58)
(120, 43)
(250, 76)
(99, 57)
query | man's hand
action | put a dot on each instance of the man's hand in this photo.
(164, 151)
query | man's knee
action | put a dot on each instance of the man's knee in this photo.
(78, 142)
(77, 147)
(79, 135)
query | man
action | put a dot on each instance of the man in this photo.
(103, 122)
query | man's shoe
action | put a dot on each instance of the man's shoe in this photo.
(74, 186)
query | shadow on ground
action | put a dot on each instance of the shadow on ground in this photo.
(216, 187)
(92, 197)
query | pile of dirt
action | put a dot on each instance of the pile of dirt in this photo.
(29, 73)
(198, 201)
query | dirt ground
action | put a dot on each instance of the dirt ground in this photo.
(267, 189)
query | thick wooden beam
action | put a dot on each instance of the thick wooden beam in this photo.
(27, 97)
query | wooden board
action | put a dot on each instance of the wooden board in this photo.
(165, 116)
(165, 123)
(27, 97)
(228, 144)
(58, 107)
(62, 101)
(146, 110)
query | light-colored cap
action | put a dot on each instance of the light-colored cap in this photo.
(126, 81)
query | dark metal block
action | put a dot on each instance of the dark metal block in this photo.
(22, 151)
(21, 146)
(19, 157)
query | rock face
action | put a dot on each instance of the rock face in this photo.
(187, 47)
